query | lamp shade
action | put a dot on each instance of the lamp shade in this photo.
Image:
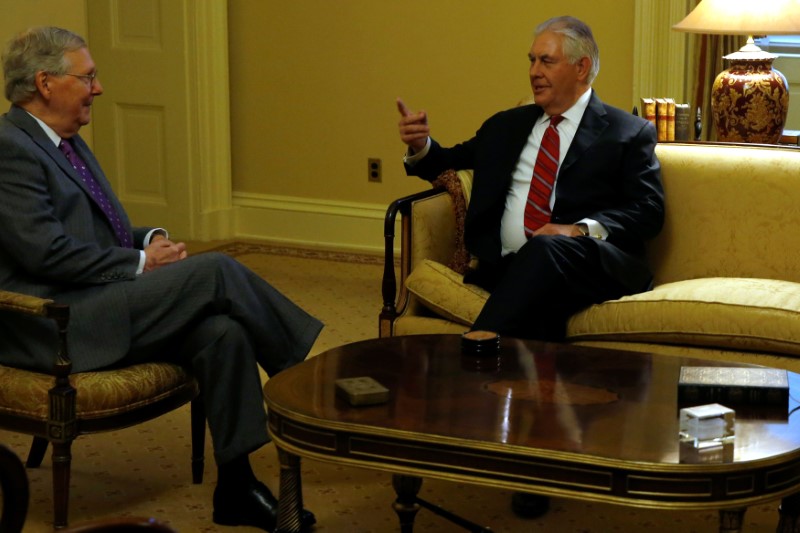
(749, 100)
(743, 17)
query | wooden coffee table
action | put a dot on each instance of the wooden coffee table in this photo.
(558, 420)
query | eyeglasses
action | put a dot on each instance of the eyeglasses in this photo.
(87, 78)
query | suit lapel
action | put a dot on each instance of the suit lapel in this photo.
(28, 124)
(94, 167)
(519, 132)
(507, 149)
(592, 125)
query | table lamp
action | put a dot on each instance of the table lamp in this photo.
(749, 101)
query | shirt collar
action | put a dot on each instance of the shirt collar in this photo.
(575, 113)
(51, 134)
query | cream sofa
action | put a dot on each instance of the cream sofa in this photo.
(726, 265)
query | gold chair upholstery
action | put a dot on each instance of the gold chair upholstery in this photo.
(56, 408)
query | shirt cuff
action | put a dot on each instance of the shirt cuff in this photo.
(142, 259)
(147, 239)
(411, 159)
(153, 232)
(596, 229)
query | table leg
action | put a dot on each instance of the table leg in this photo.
(406, 506)
(789, 514)
(290, 497)
(731, 520)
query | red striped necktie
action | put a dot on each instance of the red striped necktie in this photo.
(537, 208)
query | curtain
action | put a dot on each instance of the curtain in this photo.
(710, 62)
(705, 53)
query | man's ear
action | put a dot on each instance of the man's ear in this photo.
(584, 66)
(41, 80)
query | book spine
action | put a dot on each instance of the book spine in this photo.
(649, 110)
(670, 119)
(661, 119)
(703, 394)
(683, 125)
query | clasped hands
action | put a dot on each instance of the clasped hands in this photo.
(162, 251)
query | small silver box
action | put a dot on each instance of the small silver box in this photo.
(707, 434)
(362, 391)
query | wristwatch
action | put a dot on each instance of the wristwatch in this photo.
(584, 229)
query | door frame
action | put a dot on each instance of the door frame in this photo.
(208, 191)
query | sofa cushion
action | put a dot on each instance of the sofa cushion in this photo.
(443, 291)
(731, 313)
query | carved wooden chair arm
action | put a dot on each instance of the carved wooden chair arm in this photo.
(42, 307)
(393, 302)
(24, 303)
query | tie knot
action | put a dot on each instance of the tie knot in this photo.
(65, 147)
(555, 120)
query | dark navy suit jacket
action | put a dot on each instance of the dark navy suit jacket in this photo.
(610, 174)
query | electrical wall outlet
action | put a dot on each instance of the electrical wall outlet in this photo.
(374, 170)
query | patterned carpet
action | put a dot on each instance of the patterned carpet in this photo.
(145, 470)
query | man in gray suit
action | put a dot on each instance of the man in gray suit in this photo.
(134, 294)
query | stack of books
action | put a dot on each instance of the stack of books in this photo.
(672, 121)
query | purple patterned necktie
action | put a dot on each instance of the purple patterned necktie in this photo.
(97, 193)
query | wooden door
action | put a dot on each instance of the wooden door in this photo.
(161, 128)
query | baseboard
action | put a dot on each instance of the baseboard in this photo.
(308, 223)
(214, 225)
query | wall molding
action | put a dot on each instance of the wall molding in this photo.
(659, 52)
(209, 100)
(309, 223)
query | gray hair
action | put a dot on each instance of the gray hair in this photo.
(34, 50)
(578, 41)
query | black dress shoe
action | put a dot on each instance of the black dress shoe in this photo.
(526, 505)
(252, 505)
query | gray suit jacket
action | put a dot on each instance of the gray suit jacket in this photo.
(55, 242)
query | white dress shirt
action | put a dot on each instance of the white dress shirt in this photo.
(512, 232)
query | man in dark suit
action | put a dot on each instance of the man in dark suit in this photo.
(558, 220)
(606, 202)
(134, 295)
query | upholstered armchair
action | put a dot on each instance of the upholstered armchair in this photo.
(57, 408)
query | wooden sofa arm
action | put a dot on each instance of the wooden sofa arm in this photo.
(431, 209)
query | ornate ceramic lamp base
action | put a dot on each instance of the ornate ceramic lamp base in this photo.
(749, 101)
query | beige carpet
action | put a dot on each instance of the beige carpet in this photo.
(145, 470)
